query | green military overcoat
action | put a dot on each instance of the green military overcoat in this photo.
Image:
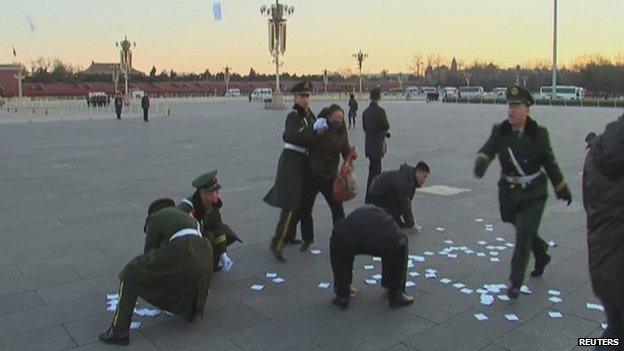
(288, 188)
(533, 152)
(172, 275)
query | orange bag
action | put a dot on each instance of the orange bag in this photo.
(345, 187)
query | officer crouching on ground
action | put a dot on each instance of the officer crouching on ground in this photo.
(204, 205)
(369, 230)
(173, 273)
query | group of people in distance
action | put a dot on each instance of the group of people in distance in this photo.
(185, 243)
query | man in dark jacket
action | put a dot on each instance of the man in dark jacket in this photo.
(369, 230)
(145, 104)
(527, 160)
(376, 128)
(603, 198)
(353, 108)
(118, 105)
(173, 273)
(300, 132)
(394, 190)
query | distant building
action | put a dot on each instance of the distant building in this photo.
(9, 84)
(100, 68)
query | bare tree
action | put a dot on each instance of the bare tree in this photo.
(417, 65)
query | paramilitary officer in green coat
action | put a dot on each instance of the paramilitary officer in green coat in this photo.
(299, 134)
(173, 273)
(527, 158)
(204, 205)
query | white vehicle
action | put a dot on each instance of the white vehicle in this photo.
(262, 94)
(564, 92)
(449, 93)
(471, 92)
(499, 92)
(137, 94)
(414, 93)
(234, 92)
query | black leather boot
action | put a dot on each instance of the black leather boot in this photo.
(540, 265)
(277, 253)
(399, 299)
(116, 337)
(341, 302)
(305, 246)
(513, 292)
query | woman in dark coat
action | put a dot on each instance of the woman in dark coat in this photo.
(323, 170)
(603, 198)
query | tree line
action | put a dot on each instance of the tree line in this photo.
(599, 75)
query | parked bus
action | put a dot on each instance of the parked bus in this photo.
(564, 92)
(471, 92)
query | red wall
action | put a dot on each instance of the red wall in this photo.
(8, 83)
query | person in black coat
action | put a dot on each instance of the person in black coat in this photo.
(375, 123)
(603, 199)
(394, 190)
(353, 108)
(118, 105)
(145, 104)
(323, 169)
(369, 230)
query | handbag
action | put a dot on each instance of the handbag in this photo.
(345, 186)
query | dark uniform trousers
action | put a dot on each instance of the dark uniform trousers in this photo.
(525, 216)
(393, 260)
(145, 116)
(286, 228)
(313, 184)
(125, 308)
(374, 169)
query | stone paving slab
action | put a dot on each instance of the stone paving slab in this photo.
(73, 196)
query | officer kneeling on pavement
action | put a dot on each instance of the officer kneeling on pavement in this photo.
(369, 230)
(204, 205)
(394, 190)
(173, 273)
(526, 158)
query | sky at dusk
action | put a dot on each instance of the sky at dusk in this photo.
(183, 35)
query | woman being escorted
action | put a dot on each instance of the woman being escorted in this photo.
(323, 170)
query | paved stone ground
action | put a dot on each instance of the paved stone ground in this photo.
(74, 195)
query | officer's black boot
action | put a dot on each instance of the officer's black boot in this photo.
(540, 265)
(305, 246)
(116, 337)
(276, 252)
(399, 299)
(513, 292)
(341, 302)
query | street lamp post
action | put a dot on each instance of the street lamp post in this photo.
(277, 14)
(360, 56)
(325, 79)
(115, 76)
(554, 65)
(125, 59)
(226, 77)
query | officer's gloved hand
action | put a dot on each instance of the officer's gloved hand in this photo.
(320, 125)
(480, 167)
(388, 135)
(225, 261)
(565, 195)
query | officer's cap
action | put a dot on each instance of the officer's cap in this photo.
(159, 205)
(519, 95)
(207, 181)
(303, 88)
